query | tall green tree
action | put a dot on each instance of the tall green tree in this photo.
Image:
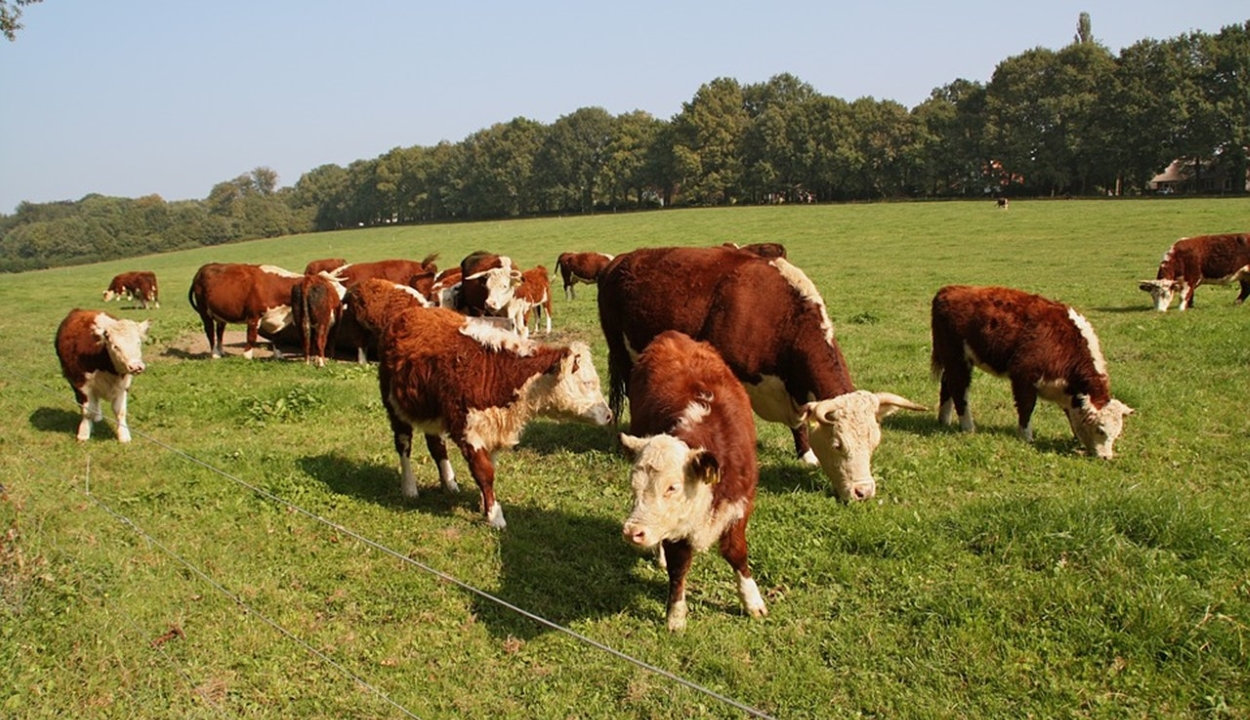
(569, 164)
(10, 16)
(707, 147)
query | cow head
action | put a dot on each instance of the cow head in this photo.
(497, 285)
(1097, 429)
(845, 430)
(672, 489)
(574, 393)
(124, 341)
(1161, 291)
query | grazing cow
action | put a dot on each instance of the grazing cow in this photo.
(100, 355)
(487, 284)
(139, 285)
(316, 306)
(694, 474)
(584, 267)
(1044, 347)
(399, 271)
(1003, 203)
(768, 321)
(369, 306)
(532, 296)
(1218, 259)
(258, 295)
(327, 265)
(765, 250)
(443, 373)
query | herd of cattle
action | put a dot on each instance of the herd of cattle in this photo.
(698, 338)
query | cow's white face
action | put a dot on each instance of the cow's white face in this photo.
(1161, 291)
(845, 431)
(124, 341)
(1098, 429)
(576, 394)
(672, 491)
(501, 284)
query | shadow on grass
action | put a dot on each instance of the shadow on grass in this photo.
(57, 420)
(1135, 309)
(379, 484)
(550, 437)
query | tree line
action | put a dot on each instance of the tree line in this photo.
(1075, 121)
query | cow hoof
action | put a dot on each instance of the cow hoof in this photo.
(495, 517)
(809, 458)
(677, 616)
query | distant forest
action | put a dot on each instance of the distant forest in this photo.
(1078, 121)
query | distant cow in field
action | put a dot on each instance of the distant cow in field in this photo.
(398, 271)
(316, 306)
(326, 265)
(1190, 262)
(1003, 203)
(583, 267)
(140, 285)
(769, 323)
(487, 284)
(692, 440)
(369, 306)
(1045, 348)
(100, 355)
(532, 296)
(256, 295)
(443, 373)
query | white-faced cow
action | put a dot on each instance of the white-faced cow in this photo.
(487, 284)
(1045, 348)
(694, 473)
(768, 321)
(443, 373)
(257, 295)
(583, 267)
(532, 297)
(369, 306)
(316, 306)
(139, 285)
(100, 355)
(1190, 262)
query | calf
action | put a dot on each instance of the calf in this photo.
(258, 295)
(140, 285)
(487, 284)
(582, 267)
(316, 305)
(442, 373)
(372, 304)
(692, 438)
(1218, 259)
(100, 355)
(533, 295)
(1044, 347)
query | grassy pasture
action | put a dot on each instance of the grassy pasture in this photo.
(988, 579)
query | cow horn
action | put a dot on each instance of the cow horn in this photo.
(889, 402)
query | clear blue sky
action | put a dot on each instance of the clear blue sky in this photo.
(171, 97)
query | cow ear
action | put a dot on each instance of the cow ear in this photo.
(1146, 285)
(144, 327)
(703, 466)
(633, 445)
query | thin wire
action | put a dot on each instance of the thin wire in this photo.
(444, 576)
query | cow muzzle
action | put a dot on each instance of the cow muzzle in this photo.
(637, 535)
(860, 490)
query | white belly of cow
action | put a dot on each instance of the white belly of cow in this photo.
(771, 401)
(106, 386)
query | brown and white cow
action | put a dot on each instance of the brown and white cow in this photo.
(532, 297)
(443, 373)
(369, 306)
(325, 265)
(487, 284)
(765, 249)
(1190, 262)
(257, 295)
(316, 306)
(1045, 348)
(140, 285)
(583, 267)
(768, 321)
(100, 355)
(692, 439)
(396, 270)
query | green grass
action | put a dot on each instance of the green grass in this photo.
(988, 579)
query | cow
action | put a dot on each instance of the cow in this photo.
(399, 271)
(369, 306)
(316, 306)
(258, 295)
(583, 267)
(326, 265)
(100, 355)
(766, 249)
(692, 441)
(768, 321)
(1219, 259)
(139, 285)
(532, 296)
(443, 373)
(487, 284)
(1045, 348)
(1003, 203)
(444, 289)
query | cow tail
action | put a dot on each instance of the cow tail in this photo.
(939, 334)
(191, 298)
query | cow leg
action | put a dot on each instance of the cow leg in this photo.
(219, 343)
(253, 328)
(119, 412)
(733, 547)
(90, 413)
(953, 395)
(1245, 292)
(402, 432)
(1025, 395)
(802, 445)
(438, 452)
(482, 466)
(1187, 296)
(679, 554)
